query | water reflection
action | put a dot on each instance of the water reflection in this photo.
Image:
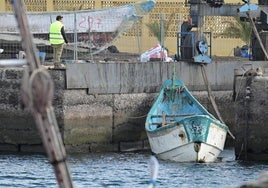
(126, 170)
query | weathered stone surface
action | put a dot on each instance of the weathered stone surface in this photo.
(89, 130)
(13, 73)
(92, 147)
(32, 148)
(8, 148)
(87, 118)
(129, 116)
(252, 118)
(91, 122)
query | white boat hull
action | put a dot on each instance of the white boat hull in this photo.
(173, 144)
(187, 153)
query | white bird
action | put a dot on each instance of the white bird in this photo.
(154, 167)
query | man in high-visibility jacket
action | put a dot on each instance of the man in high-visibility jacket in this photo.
(57, 38)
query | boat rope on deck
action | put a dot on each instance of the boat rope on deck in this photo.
(212, 98)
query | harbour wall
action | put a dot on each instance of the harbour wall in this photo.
(251, 94)
(103, 106)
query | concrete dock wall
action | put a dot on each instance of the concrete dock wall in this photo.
(148, 77)
(251, 117)
(107, 119)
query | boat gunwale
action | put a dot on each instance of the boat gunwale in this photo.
(178, 123)
(176, 84)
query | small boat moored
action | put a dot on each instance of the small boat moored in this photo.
(180, 129)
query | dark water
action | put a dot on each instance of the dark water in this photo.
(127, 170)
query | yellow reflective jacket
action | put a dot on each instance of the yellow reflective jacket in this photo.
(55, 36)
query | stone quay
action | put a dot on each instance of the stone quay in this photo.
(102, 107)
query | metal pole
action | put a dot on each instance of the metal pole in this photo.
(162, 31)
(138, 37)
(179, 36)
(75, 37)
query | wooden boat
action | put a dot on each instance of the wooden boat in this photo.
(180, 129)
(88, 29)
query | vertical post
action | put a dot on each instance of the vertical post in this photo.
(162, 31)
(179, 37)
(210, 44)
(89, 36)
(75, 37)
(193, 43)
(138, 37)
(162, 34)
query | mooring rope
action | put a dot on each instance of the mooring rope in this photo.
(212, 98)
(37, 94)
(137, 117)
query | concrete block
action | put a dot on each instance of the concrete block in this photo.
(9, 147)
(29, 148)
